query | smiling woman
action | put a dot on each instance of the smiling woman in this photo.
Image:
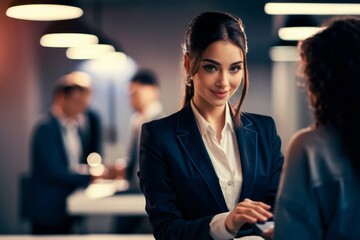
(219, 75)
(217, 79)
(210, 170)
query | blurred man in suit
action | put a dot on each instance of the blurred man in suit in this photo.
(61, 141)
(144, 93)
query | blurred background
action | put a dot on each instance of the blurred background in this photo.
(149, 35)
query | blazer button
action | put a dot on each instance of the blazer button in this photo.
(230, 183)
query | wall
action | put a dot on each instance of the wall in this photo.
(290, 106)
(18, 109)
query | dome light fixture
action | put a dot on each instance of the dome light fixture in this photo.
(90, 51)
(68, 33)
(297, 33)
(64, 40)
(93, 51)
(289, 8)
(298, 27)
(44, 10)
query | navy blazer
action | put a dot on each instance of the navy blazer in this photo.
(52, 181)
(179, 181)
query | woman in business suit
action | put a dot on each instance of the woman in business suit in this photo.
(210, 169)
(320, 187)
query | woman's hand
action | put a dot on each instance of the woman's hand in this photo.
(247, 211)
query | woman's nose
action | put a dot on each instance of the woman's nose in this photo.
(223, 80)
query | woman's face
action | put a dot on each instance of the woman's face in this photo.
(220, 73)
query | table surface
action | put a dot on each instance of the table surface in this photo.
(101, 199)
(80, 237)
(97, 237)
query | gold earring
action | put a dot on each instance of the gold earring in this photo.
(188, 81)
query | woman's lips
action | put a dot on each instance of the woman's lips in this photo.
(220, 94)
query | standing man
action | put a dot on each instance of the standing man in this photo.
(61, 141)
(144, 92)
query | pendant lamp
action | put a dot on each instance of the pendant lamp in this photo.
(68, 33)
(309, 8)
(93, 51)
(298, 27)
(44, 10)
(295, 28)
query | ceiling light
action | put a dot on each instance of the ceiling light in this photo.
(44, 10)
(67, 40)
(297, 33)
(109, 61)
(68, 33)
(298, 27)
(90, 51)
(93, 51)
(312, 8)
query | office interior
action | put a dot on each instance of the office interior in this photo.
(150, 33)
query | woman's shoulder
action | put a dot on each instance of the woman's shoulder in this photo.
(313, 144)
(301, 138)
(321, 149)
(312, 136)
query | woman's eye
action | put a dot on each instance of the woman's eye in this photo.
(235, 69)
(210, 68)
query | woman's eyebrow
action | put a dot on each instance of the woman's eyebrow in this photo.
(217, 63)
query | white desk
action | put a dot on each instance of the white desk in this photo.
(96, 237)
(80, 237)
(105, 203)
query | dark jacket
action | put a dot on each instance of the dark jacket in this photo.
(178, 179)
(51, 179)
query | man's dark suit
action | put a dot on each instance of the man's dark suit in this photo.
(52, 180)
(178, 179)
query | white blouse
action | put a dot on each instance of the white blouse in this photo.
(225, 158)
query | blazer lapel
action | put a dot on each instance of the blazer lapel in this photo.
(190, 139)
(247, 141)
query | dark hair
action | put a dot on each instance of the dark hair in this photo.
(69, 83)
(145, 76)
(331, 68)
(68, 90)
(206, 28)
